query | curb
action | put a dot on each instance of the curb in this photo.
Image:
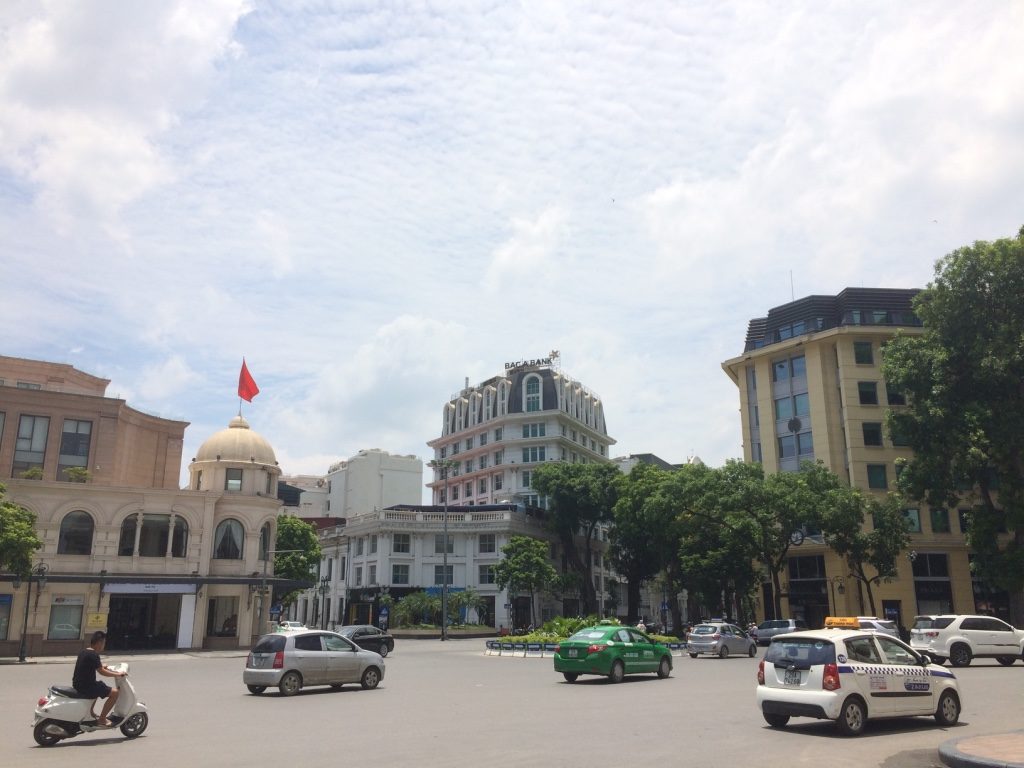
(997, 750)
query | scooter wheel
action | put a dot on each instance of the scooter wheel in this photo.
(135, 725)
(44, 739)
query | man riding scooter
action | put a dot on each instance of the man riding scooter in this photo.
(85, 682)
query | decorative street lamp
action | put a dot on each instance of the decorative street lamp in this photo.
(444, 466)
(325, 587)
(835, 583)
(38, 575)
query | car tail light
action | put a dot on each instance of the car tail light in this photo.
(279, 660)
(830, 678)
(760, 672)
(716, 636)
(931, 634)
(558, 649)
(595, 648)
(42, 701)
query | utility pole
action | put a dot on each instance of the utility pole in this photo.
(444, 466)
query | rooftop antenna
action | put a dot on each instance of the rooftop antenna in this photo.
(792, 293)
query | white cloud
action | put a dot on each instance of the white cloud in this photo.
(530, 250)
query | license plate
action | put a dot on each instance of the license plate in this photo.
(572, 653)
(792, 677)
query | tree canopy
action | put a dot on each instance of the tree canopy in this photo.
(293, 533)
(524, 567)
(963, 380)
(581, 497)
(18, 538)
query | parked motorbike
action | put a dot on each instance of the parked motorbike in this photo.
(63, 713)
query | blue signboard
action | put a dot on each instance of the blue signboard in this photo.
(384, 612)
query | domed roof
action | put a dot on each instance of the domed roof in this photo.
(237, 443)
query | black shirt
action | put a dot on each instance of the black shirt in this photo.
(85, 669)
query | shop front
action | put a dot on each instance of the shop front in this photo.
(150, 616)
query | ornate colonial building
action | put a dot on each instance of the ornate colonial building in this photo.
(124, 549)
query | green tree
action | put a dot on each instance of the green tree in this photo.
(963, 380)
(18, 539)
(524, 567)
(467, 599)
(416, 607)
(878, 549)
(636, 536)
(293, 533)
(581, 498)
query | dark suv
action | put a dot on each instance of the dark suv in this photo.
(766, 630)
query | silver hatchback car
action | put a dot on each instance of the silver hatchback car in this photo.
(719, 639)
(294, 660)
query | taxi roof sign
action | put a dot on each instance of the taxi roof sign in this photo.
(842, 622)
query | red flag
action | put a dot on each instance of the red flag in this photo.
(247, 388)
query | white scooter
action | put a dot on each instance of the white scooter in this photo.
(62, 713)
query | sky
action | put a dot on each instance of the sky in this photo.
(374, 201)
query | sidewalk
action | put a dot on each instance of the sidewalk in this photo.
(997, 750)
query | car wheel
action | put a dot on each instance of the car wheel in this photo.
(723, 652)
(752, 651)
(852, 717)
(664, 668)
(134, 726)
(370, 679)
(960, 655)
(44, 739)
(940, 660)
(383, 650)
(776, 721)
(693, 655)
(291, 683)
(948, 711)
(618, 672)
(256, 690)
(570, 677)
(1006, 661)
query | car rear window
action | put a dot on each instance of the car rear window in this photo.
(705, 629)
(588, 634)
(927, 622)
(803, 652)
(269, 644)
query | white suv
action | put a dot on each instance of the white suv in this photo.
(962, 638)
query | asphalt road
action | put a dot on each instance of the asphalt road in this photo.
(448, 704)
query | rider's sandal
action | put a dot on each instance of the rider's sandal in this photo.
(103, 722)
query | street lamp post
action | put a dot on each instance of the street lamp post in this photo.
(444, 465)
(835, 583)
(37, 574)
(325, 585)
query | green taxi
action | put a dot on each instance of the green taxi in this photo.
(613, 651)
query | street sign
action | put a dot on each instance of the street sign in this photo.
(384, 612)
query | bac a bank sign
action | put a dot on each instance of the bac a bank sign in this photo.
(517, 364)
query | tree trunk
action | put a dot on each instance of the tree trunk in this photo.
(632, 601)
(776, 595)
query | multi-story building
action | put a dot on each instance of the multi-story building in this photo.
(811, 388)
(372, 479)
(124, 549)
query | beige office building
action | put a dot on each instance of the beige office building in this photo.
(811, 388)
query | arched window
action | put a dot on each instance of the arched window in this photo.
(227, 542)
(126, 544)
(533, 401)
(179, 542)
(75, 534)
(264, 541)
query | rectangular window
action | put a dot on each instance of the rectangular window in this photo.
(483, 461)
(469, 466)
(497, 484)
(498, 457)
(359, 575)
(30, 445)
(373, 544)
(868, 392)
(400, 543)
(894, 396)
(534, 453)
(233, 479)
(486, 573)
(66, 618)
(784, 409)
(444, 451)
(439, 544)
(488, 543)
(913, 518)
(455, 447)
(483, 439)
(940, 520)
(74, 447)
(359, 546)
(877, 477)
(497, 434)
(469, 443)
(5, 608)
(787, 447)
(439, 574)
(805, 444)
(222, 617)
(872, 433)
(534, 430)
(801, 404)
(469, 490)
(526, 478)
(400, 573)
(862, 353)
(455, 492)
(481, 485)
(780, 370)
(371, 575)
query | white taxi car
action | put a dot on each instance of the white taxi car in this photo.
(850, 675)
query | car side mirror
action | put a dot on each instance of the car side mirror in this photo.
(925, 660)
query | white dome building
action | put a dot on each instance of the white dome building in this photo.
(236, 459)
